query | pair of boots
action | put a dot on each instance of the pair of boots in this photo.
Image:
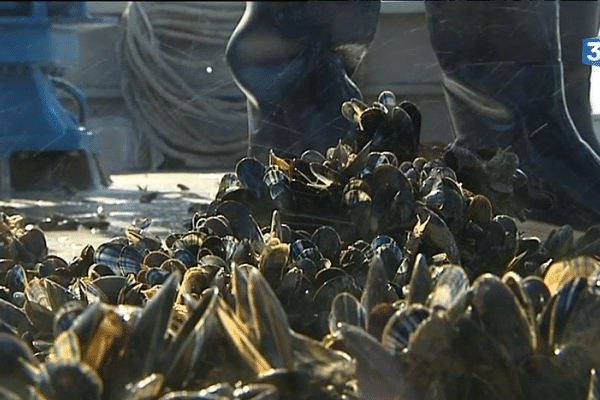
(513, 76)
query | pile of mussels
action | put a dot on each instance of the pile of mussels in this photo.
(367, 272)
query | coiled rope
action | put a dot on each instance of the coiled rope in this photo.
(162, 103)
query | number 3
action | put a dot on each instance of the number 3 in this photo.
(595, 50)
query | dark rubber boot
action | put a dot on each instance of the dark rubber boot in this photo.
(504, 85)
(579, 20)
(293, 61)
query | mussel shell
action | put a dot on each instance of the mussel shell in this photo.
(387, 98)
(141, 239)
(34, 242)
(565, 301)
(328, 242)
(49, 264)
(74, 380)
(352, 259)
(560, 272)
(345, 308)
(399, 328)
(250, 173)
(111, 286)
(293, 287)
(387, 180)
(326, 175)
(212, 264)
(589, 242)
(15, 317)
(66, 314)
(420, 281)
(299, 246)
(16, 279)
(130, 260)
(228, 182)
(450, 288)
(156, 276)
(376, 289)
(312, 155)
(185, 256)
(217, 224)
(500, 312)
(275, 176)
(537, 292)
(191, 241)
(214, 245)
(98, 270)
(243, 224)
(307, 266)
(391, 257)
(195, 281)
(108, 254)
(172, 265)
(325, 274)
(154, 259)
(327, 291)
(559, 242)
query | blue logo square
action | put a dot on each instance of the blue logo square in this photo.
(590, 51)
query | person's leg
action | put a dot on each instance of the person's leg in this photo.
(579, 20)
(293, 62)
(504, 86)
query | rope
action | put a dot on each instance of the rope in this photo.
(162, 103)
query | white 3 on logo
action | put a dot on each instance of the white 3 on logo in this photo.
(595, 49)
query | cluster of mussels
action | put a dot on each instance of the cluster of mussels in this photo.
(361, 273)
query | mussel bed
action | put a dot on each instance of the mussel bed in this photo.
(366, 272)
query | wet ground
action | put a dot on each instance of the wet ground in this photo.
(73, 220)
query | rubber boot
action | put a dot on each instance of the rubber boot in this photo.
(294, 61)
(504, 86)
(579, 20)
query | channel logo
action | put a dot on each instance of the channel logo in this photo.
(590, 51)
